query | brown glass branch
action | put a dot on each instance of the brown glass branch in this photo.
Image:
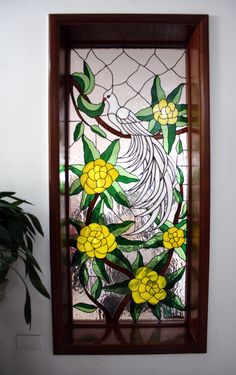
(118, 268)
(176, 218)
(121, 308)
(74, 83)
(100, 306)
(90, 209)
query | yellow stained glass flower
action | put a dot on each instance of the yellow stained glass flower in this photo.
(98, 176)
(173, 238)
(147, 286)
(165, 113)
(96, 241)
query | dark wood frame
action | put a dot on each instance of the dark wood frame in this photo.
(165, 31)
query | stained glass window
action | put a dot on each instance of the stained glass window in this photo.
(127, 181)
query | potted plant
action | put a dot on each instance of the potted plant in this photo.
(18, 230)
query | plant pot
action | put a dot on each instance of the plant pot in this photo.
(3, 286)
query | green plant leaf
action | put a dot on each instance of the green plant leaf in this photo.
(96, 289)
(36, 223)
(172, 278)
(97, 130)
(76, 169)
(110, 155)
(154, 126)
(107, 199)
(75, 187)
(124, 176)
(175, 95)
(178, 196)
(118, 194)
(117, 257)
(169, 134)
(91, 110)
(86, 200)
(180, 252)
(145, 114)
(83, 275)
(85, 307)
(88, 72)
(179, 146)
(99, 269)
(157, 91)
(135, 310)
(90, 151)
(120, 228)
(158, 262)
(82, 80)
(119, 288)
(138, 262)
(156, 310)
(172, 300)
(179, 176)
(27, 308)
(78, 132)
(36, 281)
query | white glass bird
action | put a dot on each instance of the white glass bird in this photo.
(146, 156)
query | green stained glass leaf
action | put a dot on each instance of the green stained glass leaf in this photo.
(182, 109)
(136, 310)
(119, 288)
(86, 200)
(76, 260)
(157, 91)
(83, 275)
(76, 169)
(61, 168)
(179, 176)
(124, 176)
(117, 257)
(75, 187)
(179, 146)
(178, 196)
(99, 270)
(172, 300)
(110, 155)
(182, 224)
(90, 151)
(145, 114)
(175, 95)
(78, 132)
(154, 126)
(91, 110)
(128, 245)
(82, 80)
(169, 134)
(182, 121)
(173, 277)
(118, 194)
(154, 242)
(120, 228)
(164, 227)
(77, 224)
(88, 72)
(107, 199)
(184, 211)
(158, 262)
(138, 262)
(96, 289)
(97, 130)
(156, 310)
(180, 252)
(85, 307)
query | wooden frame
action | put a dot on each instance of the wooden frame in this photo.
(167, 31)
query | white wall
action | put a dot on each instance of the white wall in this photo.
(24, 168)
